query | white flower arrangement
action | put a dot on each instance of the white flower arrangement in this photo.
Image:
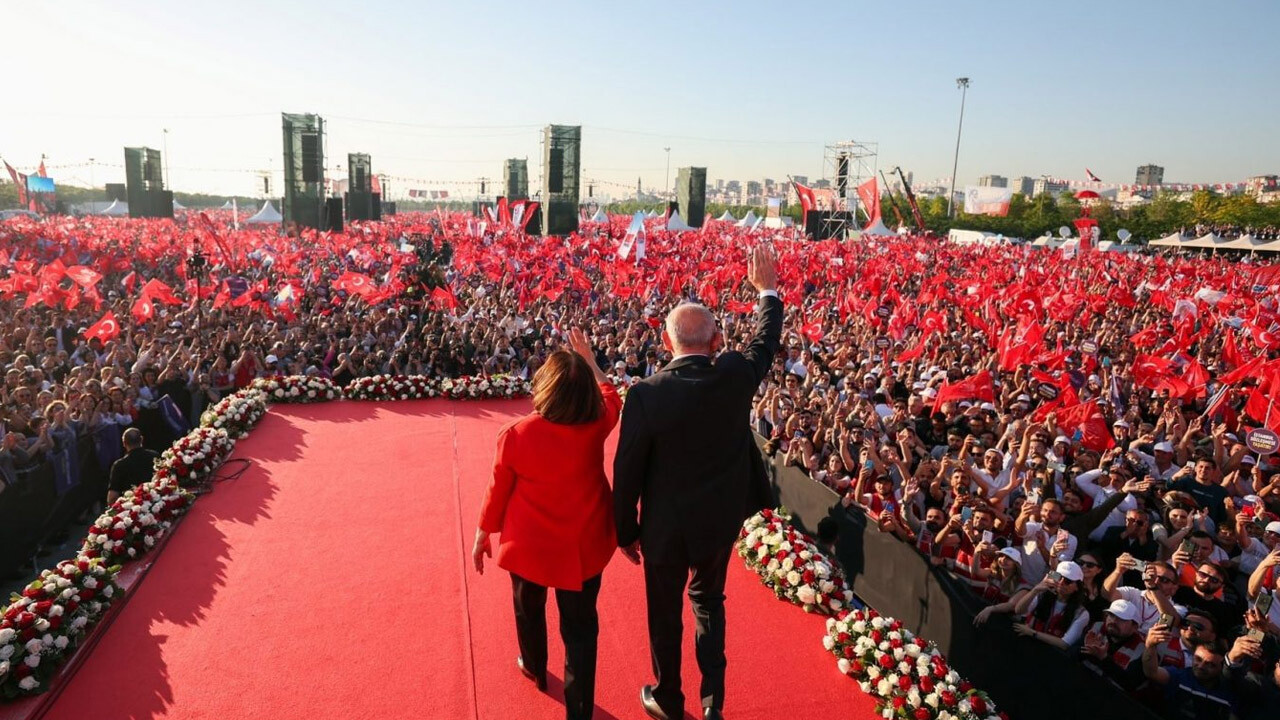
(298, 389)
(195, 456)
(41, 626)
(237, 413)
(874, 650)
(136, 521)
(790, 563)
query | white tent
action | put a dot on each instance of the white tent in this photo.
(877, 228)
(1207, 242)
(749, 221)
(652, 214)
(599, 216)
(116, 209)
(178, 206)
(675, 222)
(226, 205)
(267, 214)
(726, 217)
(1174, 240)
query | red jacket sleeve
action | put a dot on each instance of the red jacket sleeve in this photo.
(612, 407)
(494, 509)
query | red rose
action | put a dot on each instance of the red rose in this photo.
(12, 612)
(855, 667)
(948, 698)
(21, 670)
(42, 608)
(26, 620)
(904, 682)
(28, 635)
(848, 652)
(926, 684)
(965, 686)
(922, 713)
(899, 702)
(877, 637)
(886, 661)
(32, 592)
(809, 577)
(116, 534)
(842, 637)
(86, 595)
(55, 622)
(895, 643)
(979, 705)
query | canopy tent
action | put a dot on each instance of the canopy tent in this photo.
(600, 216)
(225, 206)
(749, 221)
(1046, 241)
(1207, 242)
(726, 217)
(1174, 240)
(652, 214)
(1250, 243)
(178, 206)
(675, 222)
(878, 228)
(267, 214)
(116, 209)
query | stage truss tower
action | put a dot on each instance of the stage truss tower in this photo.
(846, 165)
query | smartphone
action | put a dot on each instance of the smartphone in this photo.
(1188, 546)
(868, 464)
(1167, 620)
(1055, 576)
(1140, 565)
(988, 537)
(1033, 497)
(1063, 536)
(966, 514)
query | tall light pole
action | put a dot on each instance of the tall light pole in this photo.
(168, 178)
(668, 190)
(963, 85)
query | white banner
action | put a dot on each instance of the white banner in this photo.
(980, 200)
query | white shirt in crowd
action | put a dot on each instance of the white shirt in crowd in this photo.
(1148, 612)
(1153, 470)
(1085, 481)
(1034, 567)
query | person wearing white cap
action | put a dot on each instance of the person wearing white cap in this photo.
(1114, 645)
(1054, 609)
(1004, 584)
(1159, 463)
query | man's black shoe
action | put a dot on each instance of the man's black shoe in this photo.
(539, 681)
(650, 705)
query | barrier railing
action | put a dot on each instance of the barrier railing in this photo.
(1027, 679)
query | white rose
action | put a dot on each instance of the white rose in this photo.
(7, 634)
(806, 595)
(28, 683)
(61, 642)
(33, 660)
(844, 665)
(4, 668)
(279, 393)
(866, 687)
(964, 707)
(33, 647)
(6, 652)
(931, 700)
(828, 642)
(883, 688)
(793, 578)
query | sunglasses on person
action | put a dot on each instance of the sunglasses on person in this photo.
(1193, 625)
(1087, 564)
(1208, 577)
(1135, 521)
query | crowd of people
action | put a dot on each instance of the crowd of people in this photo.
(1227, 230)
(1069, 436)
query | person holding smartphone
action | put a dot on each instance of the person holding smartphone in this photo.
(1054, 610)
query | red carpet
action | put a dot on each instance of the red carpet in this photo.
(332, 580)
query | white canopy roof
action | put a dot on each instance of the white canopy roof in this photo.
(225, 206)
(652, 214)
(267, 214)
(178, 206)
(749, 221)
(675, 222)
(1208, 241)
(600, 216)
(116, 209)
(725, 216)
(1174, 240)
(877, 228)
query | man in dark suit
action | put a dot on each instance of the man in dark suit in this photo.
(136, 467)
(686, 453)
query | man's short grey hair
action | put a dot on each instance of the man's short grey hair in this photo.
(132, 438)
(691, 325)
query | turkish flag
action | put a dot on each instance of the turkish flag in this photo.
(869, 194)
(142, 310)
(157, 290)
(444, 298)
(977, 387)
(83, 276)
(354, 283)
(1087, 420)
(1263, 409)
(807, 200)
(105, 329)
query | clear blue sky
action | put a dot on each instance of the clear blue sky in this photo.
(748, 89)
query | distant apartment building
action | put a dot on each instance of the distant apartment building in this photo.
(1044, 185)
(1024, 186)
(1150, 175)
(993, 181)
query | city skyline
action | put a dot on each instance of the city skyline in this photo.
(435, 93)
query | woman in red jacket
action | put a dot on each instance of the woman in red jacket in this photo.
(550, 501)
